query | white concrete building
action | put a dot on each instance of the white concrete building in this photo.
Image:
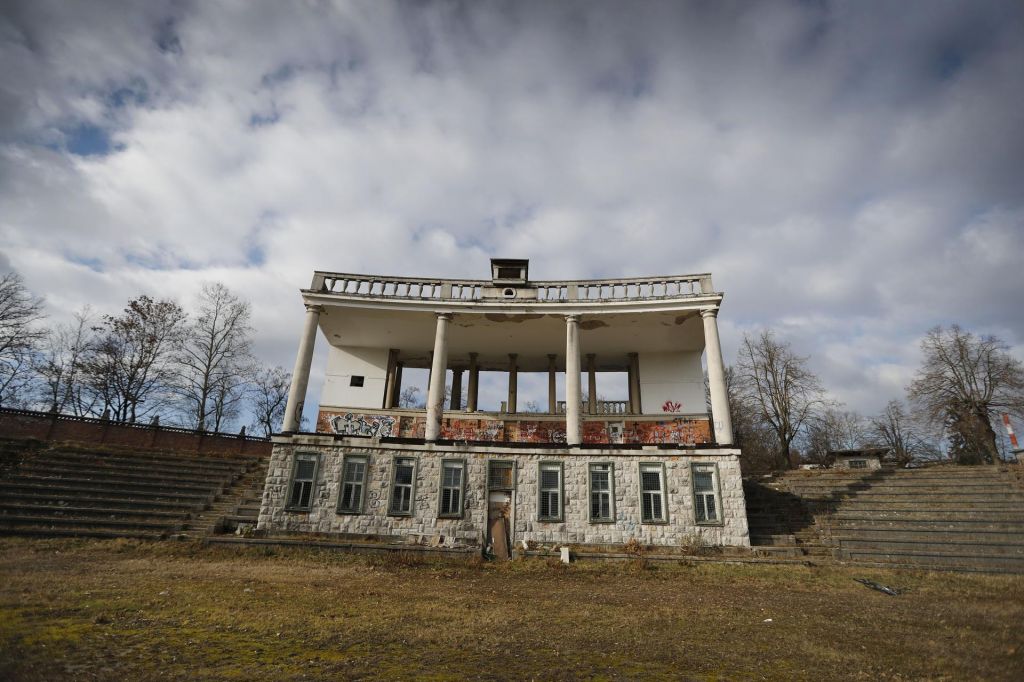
(650, 465)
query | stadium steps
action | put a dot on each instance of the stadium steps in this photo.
(148, 495)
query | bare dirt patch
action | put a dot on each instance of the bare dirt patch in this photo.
(124, 610)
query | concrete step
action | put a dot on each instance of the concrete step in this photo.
(45, 497)
(940, 561)
(133, 473)
(772, 539)
(929, 535)
(70, 490)
(142, 459)
(62, 522)
(974, 548)
(80, 511)
(118, 481)
(46, 532)
(928, 523)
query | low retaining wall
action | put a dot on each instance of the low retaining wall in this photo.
(46, 426)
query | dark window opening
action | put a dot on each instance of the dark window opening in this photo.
(509, 273)
(356, 380)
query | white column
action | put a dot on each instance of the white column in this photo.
(716, 378)
(300, 374)
(572, 380)
(435, 392)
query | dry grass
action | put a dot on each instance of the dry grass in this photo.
(120, 610)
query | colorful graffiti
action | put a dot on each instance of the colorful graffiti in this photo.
(671, 406)
(373, 425)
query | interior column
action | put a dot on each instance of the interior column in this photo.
(474, 383)
(389, 382)
(634, 384)
(572, 380)
(456, 403)
(438, 365)
(513, 377)
(552, 384)
(716, 378)
(300, 374)
(396, 396)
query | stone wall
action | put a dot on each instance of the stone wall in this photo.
(575, 528)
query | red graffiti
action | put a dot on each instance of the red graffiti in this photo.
(670, 406)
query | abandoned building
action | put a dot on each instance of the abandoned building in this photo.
(652, 465)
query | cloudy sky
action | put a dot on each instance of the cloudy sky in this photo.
(852, 173)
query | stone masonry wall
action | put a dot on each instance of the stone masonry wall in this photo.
(576, 528)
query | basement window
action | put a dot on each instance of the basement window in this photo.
(549, 506)
(706, 499)
(403, 485)
(354, 470)
(304, 470)
(601, 493)
(356, 380)
(452, 486)
(652, 493)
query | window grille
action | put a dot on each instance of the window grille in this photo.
(353, 485)
(402, 486)
(601, 492)
(499, 475)
(652, 493)
(705, 494)
(303, 480)
(452, 476)
(550, 490)
(858, 464)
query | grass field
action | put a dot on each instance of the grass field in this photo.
(126, 611)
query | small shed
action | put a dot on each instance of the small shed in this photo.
(859, 458)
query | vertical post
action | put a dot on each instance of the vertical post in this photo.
(513, 378)
(474, 383)
(438, 365)
(634, 384)
(300, 375)
(716, 378)
(572, 380)
(456, 403)
(591, 385)
(552, 384)
(389, 382)
(396, 395)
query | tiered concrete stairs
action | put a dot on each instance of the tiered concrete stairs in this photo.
(67, 492)
(942, 517)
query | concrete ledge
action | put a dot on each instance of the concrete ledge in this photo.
(354, 547)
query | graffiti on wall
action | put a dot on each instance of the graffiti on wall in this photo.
(671, 406)
(363, 425)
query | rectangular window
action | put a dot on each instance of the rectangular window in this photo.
(550, 491)
(652, 493)
(356, 380)
(601, 493)
(353, 484)
(705, 493)
(500, 475)
(300, 495)
(858, 464)
(403, 483)
(453, 476)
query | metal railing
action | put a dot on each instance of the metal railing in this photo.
(551, 291)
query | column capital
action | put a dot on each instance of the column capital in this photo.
(632, 355)
(445, 316)
(709, 312)
(513, 356)
(552, 356)
(473, 355)
(591, 356)
(574, 317)
(314, 308)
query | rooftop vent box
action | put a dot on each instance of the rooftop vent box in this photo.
(510, 270)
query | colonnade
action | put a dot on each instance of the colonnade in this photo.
(573, 389)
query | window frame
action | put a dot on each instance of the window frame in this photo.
(663, 491)
(512, 466)
(717, 492)
(394, 484)
(345, 459)
(296, 458)
(561, 491)
(611, 492)
(462, 490)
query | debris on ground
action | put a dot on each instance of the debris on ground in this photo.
(885, 589)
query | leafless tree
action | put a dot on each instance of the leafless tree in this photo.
(61, 366)
(897, 430)
(215, 361)
(784, 392)
(751, 432)
(831, 429)
(20, 310)
(130, 367)
(963, 383)
(269, 396)
(409, 397)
